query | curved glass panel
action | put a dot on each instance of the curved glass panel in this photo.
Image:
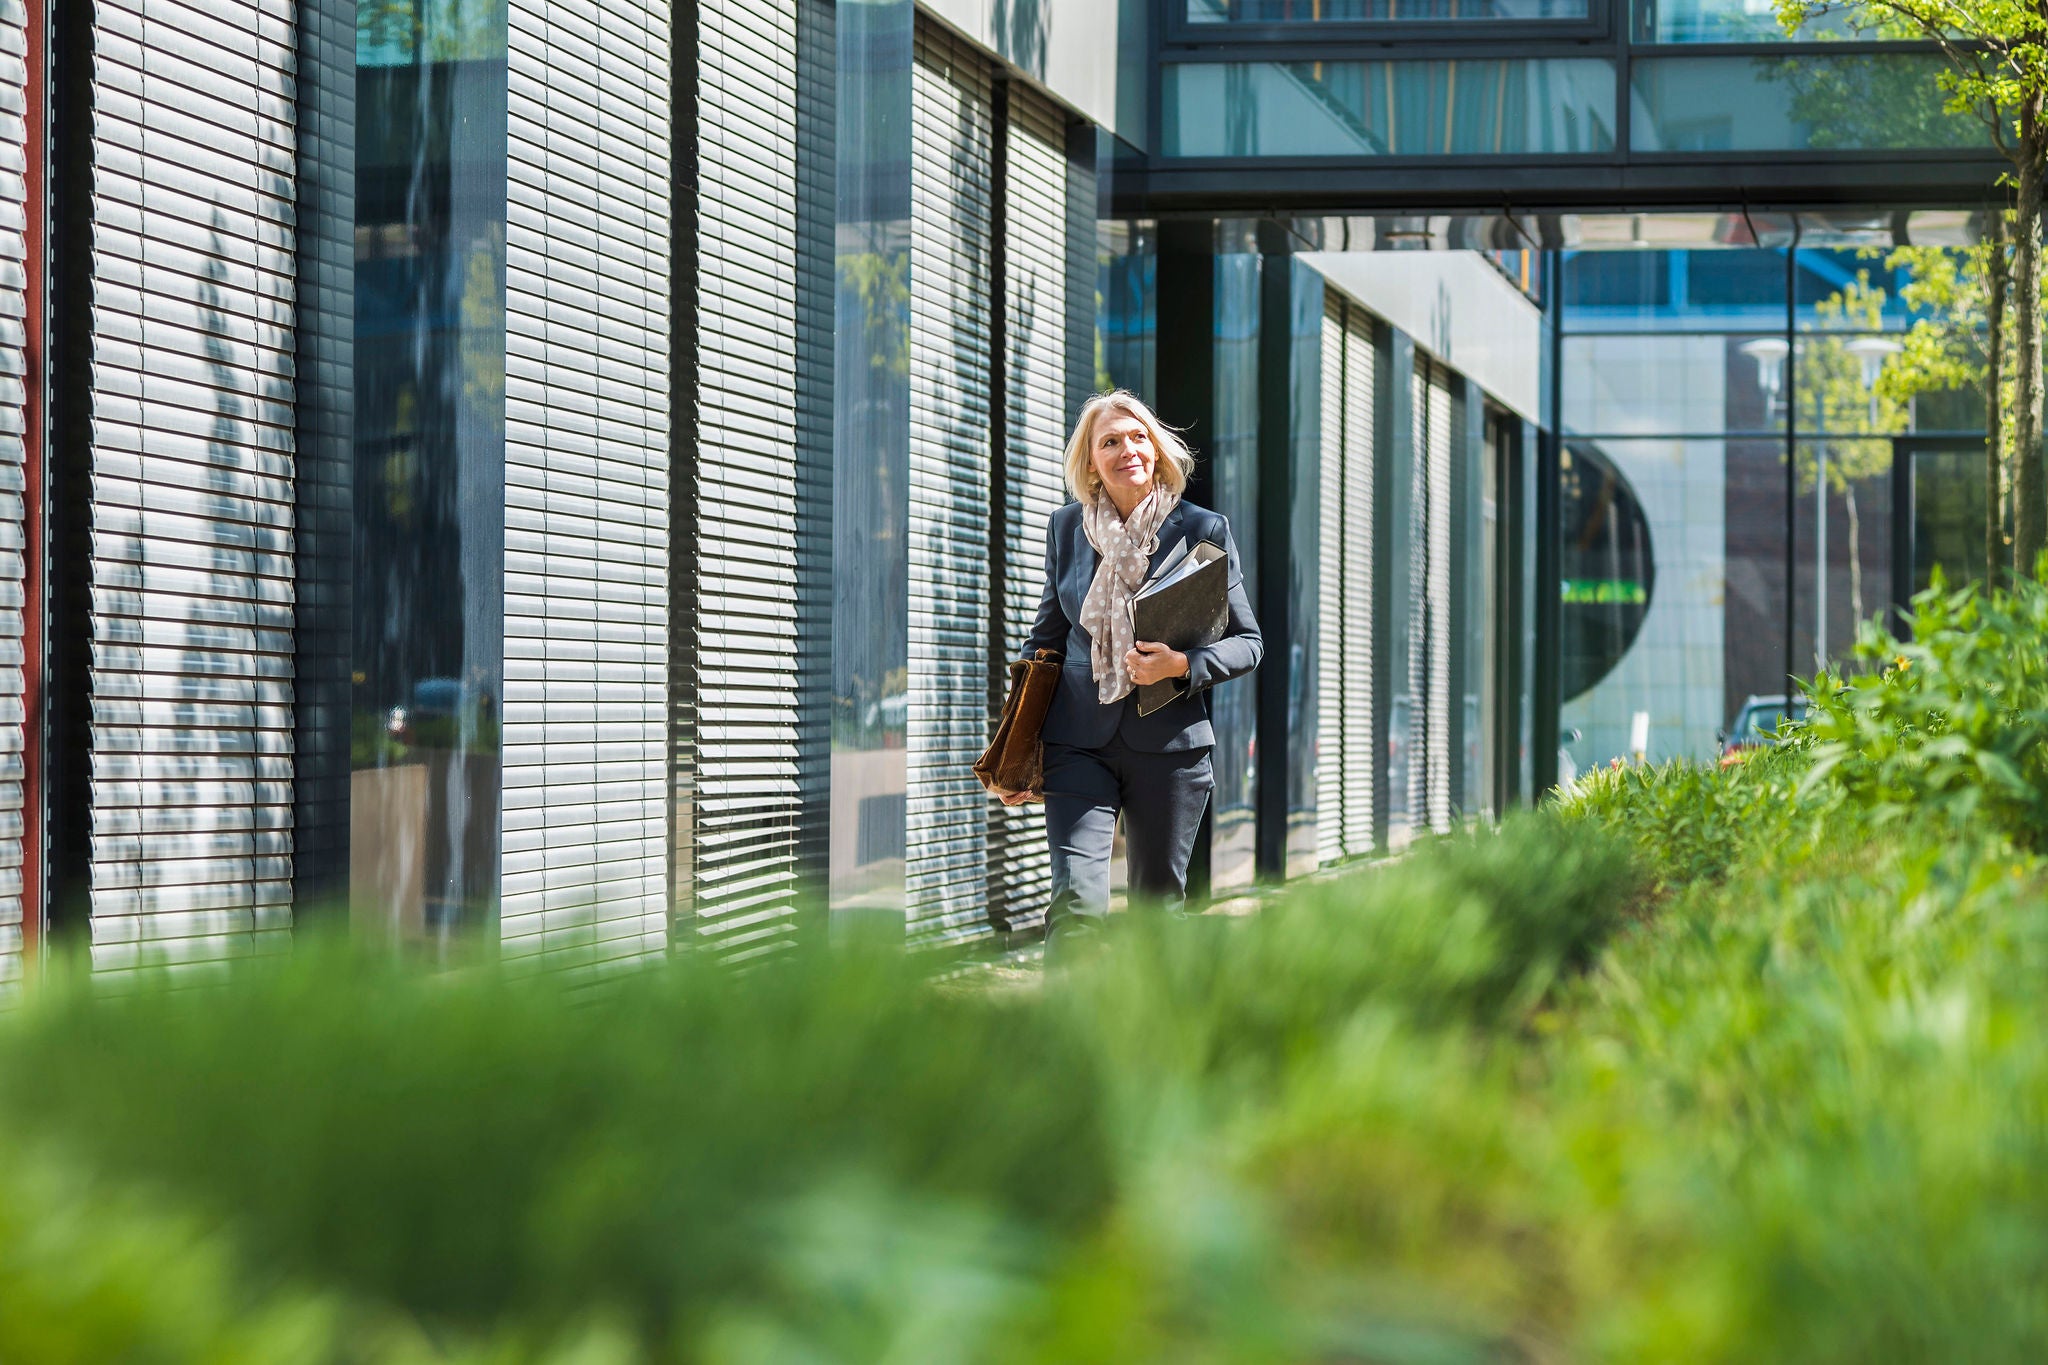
(1486, 107)
(1788, 103)
(1608, 571)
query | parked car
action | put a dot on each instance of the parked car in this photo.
(1756, 725)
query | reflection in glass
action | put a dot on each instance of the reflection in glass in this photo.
(871, 460)
(1307, 562)
(1753, 648)
(1948, 517)
(1643, 586)
(1480, 107)
(1127, 308)
(430, 467)
(1845, 505)
(1233, 457)
(1382, 11)
(1725, 21)
(1807, 102)
(1678, 385)
(1608, 572)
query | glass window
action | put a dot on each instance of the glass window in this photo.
(1843, 521)
(1838, 390)
(1234, 474)
(1127, 307)
(1643, 621)
(1304, 587)
(430, 468)
(1724, 21)
(871, 441)
(1803, 102)
(1380, 11)
(1716, 289)
(1488, 107)
(1671, 385)
(1948, 516)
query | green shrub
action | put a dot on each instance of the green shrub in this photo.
(1689, 823)
(1471, 928)
(1701, 1064)
(1951, 726)
(471, 1149)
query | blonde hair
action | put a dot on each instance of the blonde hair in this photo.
(1176, 462)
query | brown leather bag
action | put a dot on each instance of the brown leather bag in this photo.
(1015, 761)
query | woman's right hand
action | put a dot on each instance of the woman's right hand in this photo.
(1016, 798)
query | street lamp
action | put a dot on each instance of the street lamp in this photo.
(1769, 354)
(1872, 352)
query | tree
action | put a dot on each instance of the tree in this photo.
(1997, 72)
(1957, 342)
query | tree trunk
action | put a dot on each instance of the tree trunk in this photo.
(2030, 498)
(1994, 411)
(1855, 557)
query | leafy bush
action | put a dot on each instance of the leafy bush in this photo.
(1689, 823)
(1951, 726)
(1475, 927)
(472, 1149)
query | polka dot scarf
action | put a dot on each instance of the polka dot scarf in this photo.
(1126, 547)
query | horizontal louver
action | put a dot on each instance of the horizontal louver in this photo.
(948, 724)
(754, 465)
(584, 857)
(1437, 807)
(1361, 756)
(194, 161)
(1335, 730)
(1037, 343)
(13, 426)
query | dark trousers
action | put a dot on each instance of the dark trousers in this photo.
(1161, 797)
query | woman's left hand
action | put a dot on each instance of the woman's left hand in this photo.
(1151, 662)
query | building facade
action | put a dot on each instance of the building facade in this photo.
(566, 481)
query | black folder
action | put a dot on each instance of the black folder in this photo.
(1184, 606)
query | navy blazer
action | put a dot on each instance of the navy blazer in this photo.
(1076, 717)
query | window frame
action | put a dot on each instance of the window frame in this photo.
(1179, 31)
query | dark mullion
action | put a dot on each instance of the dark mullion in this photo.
(68, 710)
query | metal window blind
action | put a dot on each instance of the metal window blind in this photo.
(1460, 707)
(754, 457)
(948, 723)
(1442, 435)
(14, 378)
(1362, 758)
(1347, 762)
(193, 182)
(817, 115)
(584, 854)
(1036, 291)
(1420, 714)
(1334, 731)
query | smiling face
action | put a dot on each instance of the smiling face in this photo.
(1124, 457)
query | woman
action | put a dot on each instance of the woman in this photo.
(1127, 473)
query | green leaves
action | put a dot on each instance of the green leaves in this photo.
(1951, 726)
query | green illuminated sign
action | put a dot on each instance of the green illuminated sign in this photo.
(1604, 592)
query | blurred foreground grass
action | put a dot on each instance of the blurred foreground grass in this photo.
(1703, 1066)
